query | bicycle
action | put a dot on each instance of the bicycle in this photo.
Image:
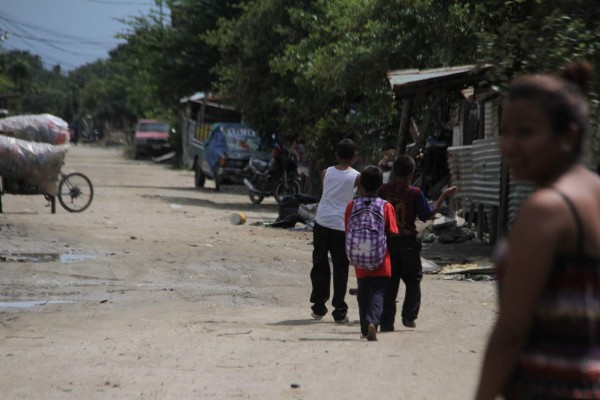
(75, 191)
(77, 188)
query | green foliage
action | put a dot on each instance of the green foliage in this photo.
(40, 90)
(537, 35)
(311, 68)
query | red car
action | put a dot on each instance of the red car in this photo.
(152, 138)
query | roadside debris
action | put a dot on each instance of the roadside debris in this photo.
(466, 269)
(237, 218)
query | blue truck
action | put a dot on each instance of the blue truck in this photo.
(215, 143)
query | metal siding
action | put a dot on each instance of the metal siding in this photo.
(487, 166)
(460, 165)
(518, 192)
(403, 77)
(488, 123)
(492, 120)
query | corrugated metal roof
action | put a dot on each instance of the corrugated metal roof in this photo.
(210, 98)
(402, 77)
(409, 81)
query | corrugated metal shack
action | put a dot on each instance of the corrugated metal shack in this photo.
(486, 192)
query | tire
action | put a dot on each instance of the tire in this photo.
(293, 187)
(199, 176)
(255, 197)
(75, 192)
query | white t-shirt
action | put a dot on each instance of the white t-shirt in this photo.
(338, 189)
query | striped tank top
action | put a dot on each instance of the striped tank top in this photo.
(561, 359)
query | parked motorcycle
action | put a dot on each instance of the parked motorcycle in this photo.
(278, 177)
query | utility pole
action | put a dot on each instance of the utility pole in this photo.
(160, 10)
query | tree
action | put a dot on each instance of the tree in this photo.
(518, 36)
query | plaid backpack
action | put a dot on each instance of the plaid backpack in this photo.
(365, 237)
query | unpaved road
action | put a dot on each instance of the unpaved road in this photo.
(153, 294)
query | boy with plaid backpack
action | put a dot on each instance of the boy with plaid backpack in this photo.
(369, 219)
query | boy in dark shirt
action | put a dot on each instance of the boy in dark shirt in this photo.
(405, 249)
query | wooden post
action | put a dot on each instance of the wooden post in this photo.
(494, 225)
(404, 127)
(471, 215)
(480, 221)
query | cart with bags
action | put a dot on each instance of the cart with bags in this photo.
(32, 153)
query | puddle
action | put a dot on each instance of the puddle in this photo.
(44, 257)
(31, 303)
(66, 258)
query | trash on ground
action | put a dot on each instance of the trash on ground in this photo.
(466, 269)
(237, 218)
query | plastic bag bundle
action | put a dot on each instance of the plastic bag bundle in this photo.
(37, 164)
(44, 128)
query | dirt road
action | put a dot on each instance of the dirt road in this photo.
(153, 294)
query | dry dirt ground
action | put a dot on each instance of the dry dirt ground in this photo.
(153, 294)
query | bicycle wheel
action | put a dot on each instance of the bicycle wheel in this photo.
(75, 192)
(282, 190)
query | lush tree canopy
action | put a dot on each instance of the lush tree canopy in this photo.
(311, 68)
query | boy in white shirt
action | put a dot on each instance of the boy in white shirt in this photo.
(329, 235)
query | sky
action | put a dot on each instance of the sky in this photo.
(71, 33)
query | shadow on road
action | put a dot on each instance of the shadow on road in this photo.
(189, 201)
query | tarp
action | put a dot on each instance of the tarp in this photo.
(43, 128)
(230, 138)
(216, 147)
(37, 164)
(32, 152)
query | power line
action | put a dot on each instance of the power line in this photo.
(118, 2)
(47, 64)
(9, 18)
(39, 39)
(23, 33)
(20, 31)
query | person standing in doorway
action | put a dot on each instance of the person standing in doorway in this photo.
(329, 236)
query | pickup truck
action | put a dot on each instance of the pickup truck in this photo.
(216, 145)
(224, 155)
(151, 138)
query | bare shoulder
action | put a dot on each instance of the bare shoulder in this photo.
(544, 213)
(544, 203)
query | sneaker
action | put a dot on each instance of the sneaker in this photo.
(409, 323)
(372, 333)
(344, 320)
(386, 328)
(316, 316)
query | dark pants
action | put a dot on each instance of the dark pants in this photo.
(370, 300)
(405, 253)
(327, 241)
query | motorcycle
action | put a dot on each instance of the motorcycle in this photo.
(278, 177)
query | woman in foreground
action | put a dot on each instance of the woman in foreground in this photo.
(546, 341)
